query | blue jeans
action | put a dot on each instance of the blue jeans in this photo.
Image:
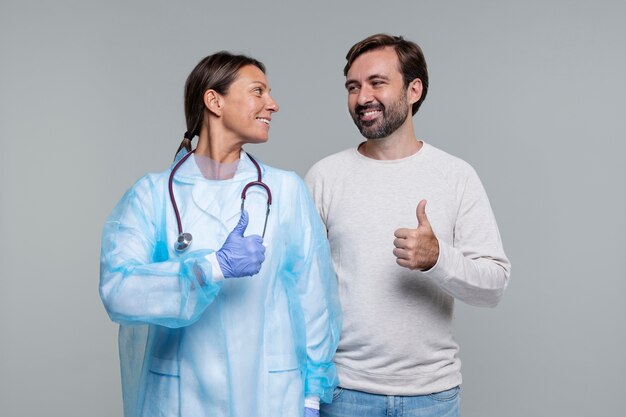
(349, 403)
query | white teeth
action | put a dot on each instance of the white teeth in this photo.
(371, 112)
(264, 120)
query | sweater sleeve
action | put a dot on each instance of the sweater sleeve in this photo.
(474, 268)
(314, 183)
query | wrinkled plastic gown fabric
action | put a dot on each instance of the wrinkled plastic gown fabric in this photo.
(194, 346)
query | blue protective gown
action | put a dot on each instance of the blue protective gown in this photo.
(192, 345)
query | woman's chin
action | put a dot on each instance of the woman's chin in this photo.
(257, 140)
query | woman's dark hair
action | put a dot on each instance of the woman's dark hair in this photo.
(410, 57)
(215, 72)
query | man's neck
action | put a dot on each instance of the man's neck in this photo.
(400, 144)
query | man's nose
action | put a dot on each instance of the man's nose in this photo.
(365, 96)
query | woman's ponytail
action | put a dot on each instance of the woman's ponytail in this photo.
(186, 143)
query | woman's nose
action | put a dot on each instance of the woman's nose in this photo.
(272, 105)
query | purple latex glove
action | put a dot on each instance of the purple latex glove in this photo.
(241, 256)
(310, 412)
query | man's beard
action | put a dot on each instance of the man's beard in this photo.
(391, 119)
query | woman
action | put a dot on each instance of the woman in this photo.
(243, 319)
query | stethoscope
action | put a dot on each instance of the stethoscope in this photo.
(184, 239)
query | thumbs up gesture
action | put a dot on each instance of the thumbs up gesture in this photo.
(417, 248)
(241, 256)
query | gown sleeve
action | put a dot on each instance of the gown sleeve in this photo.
(316, 286)
(139, 284)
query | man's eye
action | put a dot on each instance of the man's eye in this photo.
(258, 91)
(352, 89)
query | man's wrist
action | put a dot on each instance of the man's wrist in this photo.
(434, 257)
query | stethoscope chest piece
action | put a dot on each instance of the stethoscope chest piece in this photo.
(183, 242)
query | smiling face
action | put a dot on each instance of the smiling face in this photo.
(377, 96)
(247, 107)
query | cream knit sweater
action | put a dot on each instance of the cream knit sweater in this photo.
(397, 327)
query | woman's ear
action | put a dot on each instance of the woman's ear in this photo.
(213, 102)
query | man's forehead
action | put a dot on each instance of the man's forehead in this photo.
(383, 61)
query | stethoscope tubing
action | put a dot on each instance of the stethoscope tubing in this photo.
(184, 239)
(170, 186)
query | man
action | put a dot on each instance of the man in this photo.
(410, 229)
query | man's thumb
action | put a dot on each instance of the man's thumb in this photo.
(422, 220)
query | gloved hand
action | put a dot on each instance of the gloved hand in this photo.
(241, 256)
(310, 412)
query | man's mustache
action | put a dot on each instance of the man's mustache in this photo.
(373, 106)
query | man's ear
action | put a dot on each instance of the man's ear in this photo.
(415, 91)
(213, 102)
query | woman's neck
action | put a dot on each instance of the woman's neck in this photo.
(217, 147)
(213, 170)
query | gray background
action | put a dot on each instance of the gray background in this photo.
(530, 93)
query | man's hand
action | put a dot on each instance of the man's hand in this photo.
(417, 248)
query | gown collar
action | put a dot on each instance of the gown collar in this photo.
(189, 172)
